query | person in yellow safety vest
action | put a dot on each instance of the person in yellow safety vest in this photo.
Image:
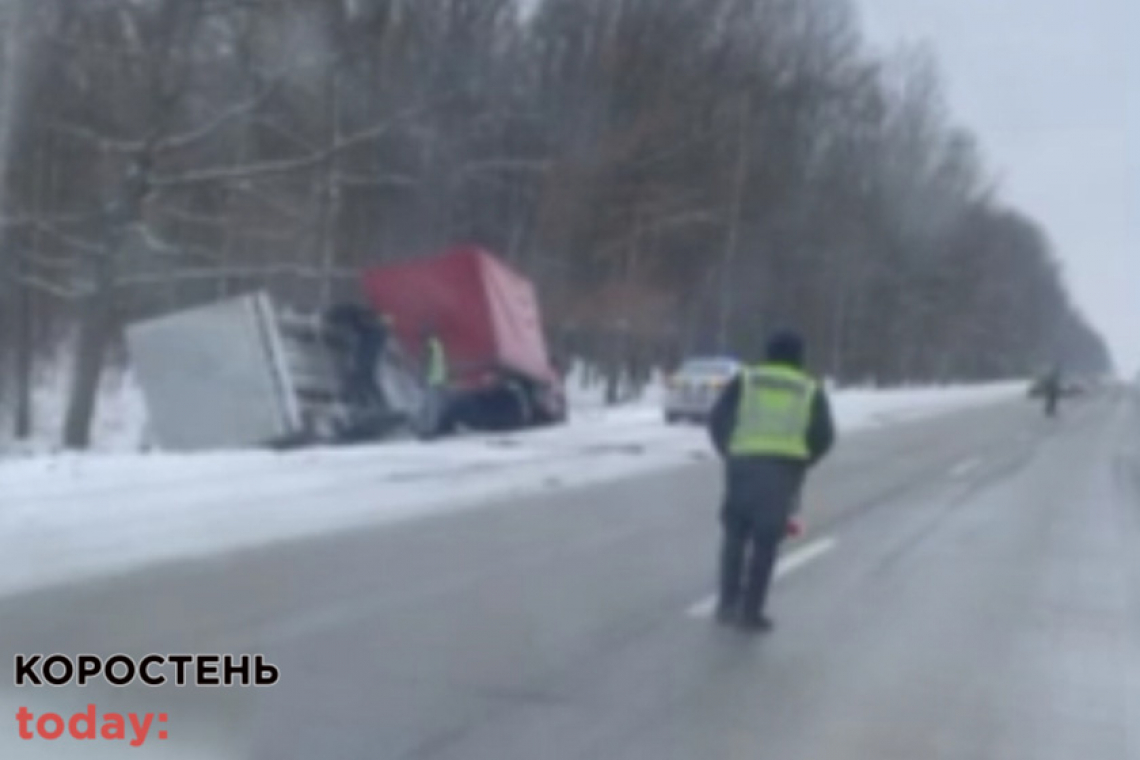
(771, 425)
(436, 377)
(436, 362)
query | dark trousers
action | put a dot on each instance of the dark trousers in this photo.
(434, 415)
(362, 390)
(759, 500)
(747, 561)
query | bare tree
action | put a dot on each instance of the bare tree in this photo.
(677, 177)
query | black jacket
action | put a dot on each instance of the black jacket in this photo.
(722, 422)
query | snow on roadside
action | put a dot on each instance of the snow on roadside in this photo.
(120, 415)
(862, 408)
(74, 516)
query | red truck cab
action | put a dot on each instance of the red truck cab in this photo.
(487, 317)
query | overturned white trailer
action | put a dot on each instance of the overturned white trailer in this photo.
(243, 372)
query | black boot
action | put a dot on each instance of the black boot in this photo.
(726, 614)
(756, 623)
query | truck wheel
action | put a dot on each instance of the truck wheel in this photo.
(527, 408)
(545, 419)
(549, 408)
(448, 421)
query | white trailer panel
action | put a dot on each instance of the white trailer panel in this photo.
(213, 377)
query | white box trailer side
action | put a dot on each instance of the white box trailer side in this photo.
(214, 376)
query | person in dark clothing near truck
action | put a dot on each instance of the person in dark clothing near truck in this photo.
(771, 425)
(368, 333)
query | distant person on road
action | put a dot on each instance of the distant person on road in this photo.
(771, 424)
(1052, 391)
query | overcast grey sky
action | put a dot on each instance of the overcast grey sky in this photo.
(1051, 89)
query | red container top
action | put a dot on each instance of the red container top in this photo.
(485, 314)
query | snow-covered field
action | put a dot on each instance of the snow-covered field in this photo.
(69, 516)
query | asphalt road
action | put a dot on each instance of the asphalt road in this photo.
(969, 588)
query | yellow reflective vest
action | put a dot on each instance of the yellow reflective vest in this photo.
(437, 362)
(773, 413)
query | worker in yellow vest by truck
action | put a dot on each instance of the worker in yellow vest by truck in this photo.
(771, 425)
(437, 362)
(436, 377)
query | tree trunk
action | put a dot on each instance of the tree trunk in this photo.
(94, 334)
(99, 306)
(13, 57)
(612, 383)
(25, 353)
(838, 336)
(728, 267)
(330, 200)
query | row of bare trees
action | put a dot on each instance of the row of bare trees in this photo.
(677, 177)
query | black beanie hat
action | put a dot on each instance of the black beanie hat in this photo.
(785, 347)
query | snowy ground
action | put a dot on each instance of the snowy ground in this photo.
(69, 516)
(118, 425)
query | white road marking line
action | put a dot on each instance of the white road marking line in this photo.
(703, 608)
(965, 468)
(804, 555)
(787, 564)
